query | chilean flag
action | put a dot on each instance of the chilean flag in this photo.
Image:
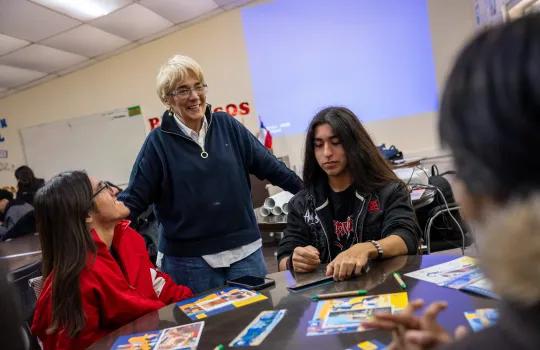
(265, 137)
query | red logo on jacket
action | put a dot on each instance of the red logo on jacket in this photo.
(373, 206)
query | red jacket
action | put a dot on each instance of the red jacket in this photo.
(113, 293)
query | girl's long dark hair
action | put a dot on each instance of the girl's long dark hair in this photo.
(368, 168)
(61, 208)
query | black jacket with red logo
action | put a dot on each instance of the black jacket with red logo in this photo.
(387, 211)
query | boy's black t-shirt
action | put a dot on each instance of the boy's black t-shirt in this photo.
(342, 205)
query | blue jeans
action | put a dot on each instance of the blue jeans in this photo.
(195, 272)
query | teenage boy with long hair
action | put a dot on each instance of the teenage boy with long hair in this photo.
(353, 207)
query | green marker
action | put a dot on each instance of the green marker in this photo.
(352, 293)
(220, 347)
(399, 280)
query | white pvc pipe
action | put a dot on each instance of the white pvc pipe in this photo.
(282, 198)
(285, 208)
(277, 210)
(265, 212)
(277, 200)
(269, 203)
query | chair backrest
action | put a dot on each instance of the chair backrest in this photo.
(36, 284)
(21, 278)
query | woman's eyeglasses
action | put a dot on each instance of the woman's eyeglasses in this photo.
(105, 185)
(185, 92)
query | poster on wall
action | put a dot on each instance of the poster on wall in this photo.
(493, 12)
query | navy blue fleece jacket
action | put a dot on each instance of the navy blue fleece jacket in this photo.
(203, 204)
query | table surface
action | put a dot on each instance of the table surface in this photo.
(290, 333)
(28, 244)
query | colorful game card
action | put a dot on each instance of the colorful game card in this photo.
(461, 273)
(482, 318)
(215, 303)
(482, 287)
(137, 341)
(258, 329)
(442, 274)
(345, 315)
(369, 345)
(184, 337)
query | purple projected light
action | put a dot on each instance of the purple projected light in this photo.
(373, 56)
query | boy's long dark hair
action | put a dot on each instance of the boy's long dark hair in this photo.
(61, 208)
(368, 168)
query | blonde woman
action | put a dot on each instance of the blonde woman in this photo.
(195, 169)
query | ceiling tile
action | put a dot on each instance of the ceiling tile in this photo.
(26, 20)
(84, 10)
(229, 4)
(178, 11)
(86, 40)
(132, 22)
(8, 44)
(41, 58)
(13, 76)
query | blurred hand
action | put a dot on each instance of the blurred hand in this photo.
(305, 259)
(414, 332)
(349, 262)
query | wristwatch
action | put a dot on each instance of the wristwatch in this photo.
(378, 247)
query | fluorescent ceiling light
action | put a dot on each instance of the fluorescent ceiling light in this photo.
(84, 9)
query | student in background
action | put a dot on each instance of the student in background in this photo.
(12, 210)
(490, 117)
(195, 169)
(353, 207)
(97, 274)
(27, 184)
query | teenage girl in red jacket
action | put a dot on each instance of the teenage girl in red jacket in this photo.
(97, 273)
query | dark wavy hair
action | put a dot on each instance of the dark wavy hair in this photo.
(25, 175)
(490, 112)
(367, 167)
(61, 209)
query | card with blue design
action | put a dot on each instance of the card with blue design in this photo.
(229, 298)
(258, 329)
(345, 315)
(137, 341)
(482, 318)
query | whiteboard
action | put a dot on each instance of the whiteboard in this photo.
(105, 145)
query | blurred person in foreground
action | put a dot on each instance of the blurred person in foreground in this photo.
(490, 118)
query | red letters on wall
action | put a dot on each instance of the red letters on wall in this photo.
(234, 110)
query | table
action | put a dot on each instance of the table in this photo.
(20, 251)
(290, 333)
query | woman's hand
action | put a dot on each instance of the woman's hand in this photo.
(414, 332)
(349, 262)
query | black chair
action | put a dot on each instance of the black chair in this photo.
(21, 277)
(25, 225)
(27, 297)
(444, 229)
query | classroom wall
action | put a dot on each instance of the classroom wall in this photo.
(218, 44)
